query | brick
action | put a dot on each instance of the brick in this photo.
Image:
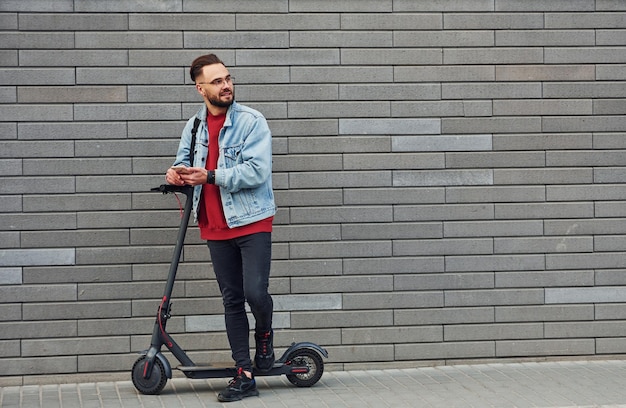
(30, 293)
(348, 39)
(73, 94)
(492, 90)
(37, 76)
(79, 58)
(288, 57)
(440, 109)
(73, 130)
(41, 111)
(443, 212)
(585, 295)
(10, 276)
(116, 112)
(510, 55)
(133, 75)
(173, 22)
(291, 21)
(497, 297)
(384, 265)
(51, 239)
(495, 263)
(396, 21)
(586, 158)
(538, 5)
(508, 21)
(447, 38)
(584, 329)
(388, 92)
(443, 5)
(299, 198)
(610, 72)
(396, 56)
(10, 239)
(389, 126)
(65, 347)
(39, 6)
(339, 144)
(306, 267)
(448, 315)
(76, 310)
(584, 90)
(609, 277)
(342, 284)
(239, 40)
(346, 6)
(239, 6)
(34, 222)
(590, 261)
(286, 92)
(543, 176)
(396, 335)
(9, 348)
(391, 161)
(545, 72)
(38, 365)
(174, 57)
(499, 331)
(443, 247)
(568, 347)
(542, 279)
(547, 313)
(494, 160)
(73, 22)
(403, 300)
(533, 107)
(443, 281)
(391, 231)
(546, 141)
(493, 125)
(51, 274)
(584, 20)
(492, 228)
(394, 195)
(8, 21)
(448, 350)
(544, 210)
(36, 40)
(122, 6)
(10, 204)
(445, 143)
(604, 209)
(584, 55)
(610, 346)
(8, 95)
(296, 233)
(342, 74)
(369, 318)
(442, 178)
(445, 73)
(32, 257)
(343, 179)
(543, 244)
(348, 249)
(497, 194)
(609, 106)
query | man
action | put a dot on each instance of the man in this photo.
(233, 203)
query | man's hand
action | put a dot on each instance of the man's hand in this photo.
(181, 175)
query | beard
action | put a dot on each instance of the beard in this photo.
(222, 104)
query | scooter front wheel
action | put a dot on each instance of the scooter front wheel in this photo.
(157, 380)
(309, 359)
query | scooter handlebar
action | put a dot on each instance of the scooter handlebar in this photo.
(171, 188)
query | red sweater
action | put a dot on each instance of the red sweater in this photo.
(211, 218)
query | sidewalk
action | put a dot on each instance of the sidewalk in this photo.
(543, 384)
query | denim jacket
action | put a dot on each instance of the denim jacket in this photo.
(244, 164)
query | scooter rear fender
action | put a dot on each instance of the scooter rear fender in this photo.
(302, 345)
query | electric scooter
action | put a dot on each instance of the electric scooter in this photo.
(301, 363)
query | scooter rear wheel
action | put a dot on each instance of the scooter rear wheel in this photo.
(157, 380)
(306, 358)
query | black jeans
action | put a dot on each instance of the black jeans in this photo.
(242, 269)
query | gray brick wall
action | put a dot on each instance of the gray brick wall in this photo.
(449, 175)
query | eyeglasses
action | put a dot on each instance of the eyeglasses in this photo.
(219, 82)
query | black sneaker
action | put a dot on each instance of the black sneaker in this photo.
(264, 357)
(238, 388)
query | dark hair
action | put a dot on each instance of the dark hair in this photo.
(202, 61)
